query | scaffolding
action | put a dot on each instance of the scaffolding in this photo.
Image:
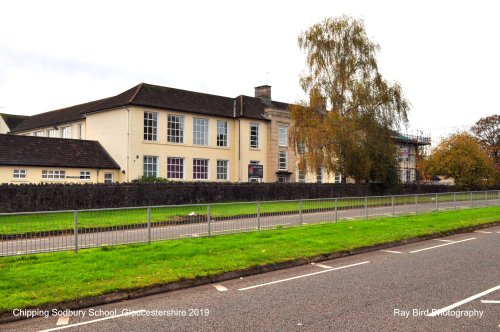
(413, 147)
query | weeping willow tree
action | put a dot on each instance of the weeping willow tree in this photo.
(347, 124)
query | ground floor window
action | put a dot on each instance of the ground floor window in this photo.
(338, 178)
(301, 176)
(319, 175)
(108, 178)
(282, 178)
(175, 168)
(85, 175)
(222, 169)
(53, 175)
(150, 166)
(200, 169)
(19, 174)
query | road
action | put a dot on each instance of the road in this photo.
(128, 234)
(378, 291)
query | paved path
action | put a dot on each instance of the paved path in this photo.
(389, 290)
(125, 234)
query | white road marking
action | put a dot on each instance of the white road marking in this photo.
(444, 240)
(485, 232)
(322, 266)
(491, 301)
(93, 321)
(441, 245)
(63, 320)
(220, 288)
(459, 303)
(392, 251)
(302, 276)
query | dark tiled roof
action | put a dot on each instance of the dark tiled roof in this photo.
(18, 150)
(12, 120)
(61, 116)
(155, 96)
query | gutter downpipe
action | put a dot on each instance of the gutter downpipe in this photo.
(128, 144)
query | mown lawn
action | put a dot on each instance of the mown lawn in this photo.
(32, 280)
(27, 223)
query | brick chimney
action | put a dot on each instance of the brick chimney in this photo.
(263, 92)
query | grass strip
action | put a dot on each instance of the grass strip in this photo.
(46, 222)
(33, 280)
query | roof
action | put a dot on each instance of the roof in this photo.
(161, 97)
(19, 150)
(57, 117)
(411, 139)
(12, 120)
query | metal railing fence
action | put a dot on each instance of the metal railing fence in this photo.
(36, 232)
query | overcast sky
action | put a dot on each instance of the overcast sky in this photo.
(55, 54)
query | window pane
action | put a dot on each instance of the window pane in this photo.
(222, 133)
(150, 166)
(200, 131)
(175, 129)
(200, 169)
(222, 169)
(283, 136)
(150, 126)
(175, 168)
(282, 160)
(254, 135)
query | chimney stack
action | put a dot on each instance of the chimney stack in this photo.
(263, 92)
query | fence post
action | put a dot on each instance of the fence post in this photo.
(258, 216)
(416, 204)
(437, 203)
(336, 209)
(471, 200)
(455, 200)
(300, 212)
(149, 225)
(75, 217)
(392, 205)
(209, 221)
(486, 197)
(366, 207)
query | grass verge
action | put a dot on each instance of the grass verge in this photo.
(33, 280)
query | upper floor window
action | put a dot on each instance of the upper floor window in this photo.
(282, 161)
(51, 133)
(38, 133)
(254, 135)
(175, 168)
(19, 174)
(319, 175)
(200, 131)
(338, 178)
(66, 132)
(150, 126)
(56, 175)
(150, 166)
(222, 133)
(175, 129)
(283, 136)
(80, 131)
(301, 176)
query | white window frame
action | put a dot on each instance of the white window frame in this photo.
(222, 133)
(200, 131)
(222, 170)
(282, 136)
(19, 174)
(199, 175)
(107, 180)
(301, 176)
(175, 134)
(53, 174)
(148, 160)
(85, 175)
(150, 126)
(337, 178)
(319, 175)
(51, 133)
(254, 137)
(282, 164)
(38, 133)
(66, 132)
(282, 178)
(80, 131)
(182, 168)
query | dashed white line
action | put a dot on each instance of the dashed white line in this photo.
(441, 245)
(63, 320)
(321, 265)
(302, 276)
(491, 301)
(444, 240)
(392, 251)
(484, 232)
(459, 303)
(94, 321)
(220, 288)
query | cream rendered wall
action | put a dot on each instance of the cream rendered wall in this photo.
(73, 125)
(3, 126)
(187, 150)
(111, 129)
(34, 175)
